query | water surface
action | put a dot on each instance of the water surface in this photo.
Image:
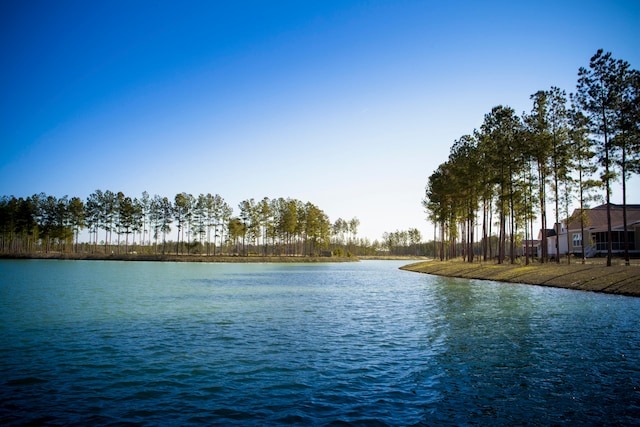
(99, 342)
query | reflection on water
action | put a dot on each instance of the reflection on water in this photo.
(171, 343)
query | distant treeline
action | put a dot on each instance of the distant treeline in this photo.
(204, 224)
(503, 174)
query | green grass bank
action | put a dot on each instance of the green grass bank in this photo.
(593, 276)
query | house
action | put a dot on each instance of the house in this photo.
(595, 229)
(534, 247)
(552, 234)
(531, 248)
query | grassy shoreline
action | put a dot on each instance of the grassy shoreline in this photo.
(177, 258)
(594, 277)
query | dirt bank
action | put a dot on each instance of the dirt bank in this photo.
(595, 276)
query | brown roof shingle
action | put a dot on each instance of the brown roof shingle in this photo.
(596, 218)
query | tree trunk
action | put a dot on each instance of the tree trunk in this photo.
(484, 231)
(557, 218)
(624, 208)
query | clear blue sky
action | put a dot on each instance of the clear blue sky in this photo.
(349, 105)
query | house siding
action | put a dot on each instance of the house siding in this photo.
(595, 235)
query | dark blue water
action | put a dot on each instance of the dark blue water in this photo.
(112, 343)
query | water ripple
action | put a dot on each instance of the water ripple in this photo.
(363, 344)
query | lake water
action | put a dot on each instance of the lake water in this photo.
(100, 343)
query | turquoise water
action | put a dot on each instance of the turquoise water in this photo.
(112, 343)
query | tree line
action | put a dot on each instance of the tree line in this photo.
(404, 242)
(566, 150)
(203, 224)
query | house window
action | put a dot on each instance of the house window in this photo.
(577, 240)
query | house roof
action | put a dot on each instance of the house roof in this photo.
(596, 218)
(550, 233)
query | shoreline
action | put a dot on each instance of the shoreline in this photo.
(204, 258)
(177, 258)
(593, 277)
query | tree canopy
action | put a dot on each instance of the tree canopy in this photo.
(507, 167)
(203, 224)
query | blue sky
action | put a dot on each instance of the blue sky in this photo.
(349, 105)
